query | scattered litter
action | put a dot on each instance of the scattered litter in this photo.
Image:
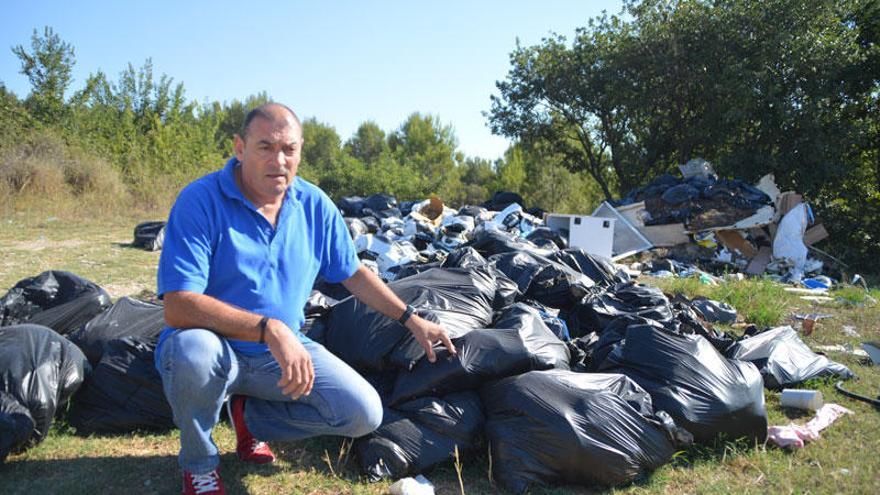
(818, 299)
(850, 331)
(795, 436)
(845, 349)
(412, 486)
(808, 400)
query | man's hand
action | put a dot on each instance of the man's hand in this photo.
(297, 372)
(427, 333)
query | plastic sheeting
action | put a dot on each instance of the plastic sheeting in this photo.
(520, 343)
(460, 300)
(421, 434)
(783, 359)
(704, 392)
(59, 300)
(560, 427)
(126, 318)
(40, 370)
(789, 240)
(124, 392)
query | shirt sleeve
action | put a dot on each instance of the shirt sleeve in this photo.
(185, 261)
(339, 259)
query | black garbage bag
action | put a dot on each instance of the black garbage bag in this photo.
(350, 206)
(471, 211)
(560, 427)
(149, 235)
(381, 206)
(336, 292)
(41, 370)
(550, 283)
(680, 193)
(525, 344)
(421, 434)
(467, 257)
(460, 300)
(493, 241)
(126, 318)
(411, 269)
(596, 310)
(16, 425)
(714, 311)
(372, 224)
(704, 392)
(318, 304)
(541, 236)
(464, 257)
(599, 269)
(581, 350)
(783, 359)
(124, 392)
(356, 227)
(502, 199)
(689, 320)
(56, 299)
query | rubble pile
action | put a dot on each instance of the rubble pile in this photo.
(752, 229)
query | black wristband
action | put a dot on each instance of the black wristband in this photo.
(406, 314)
(263, 322)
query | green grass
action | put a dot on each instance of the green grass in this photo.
(844, 460)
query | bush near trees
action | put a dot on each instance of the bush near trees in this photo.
(784, 86)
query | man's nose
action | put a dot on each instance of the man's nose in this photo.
(280, 159)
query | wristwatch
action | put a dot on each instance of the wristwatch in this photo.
(406, 314)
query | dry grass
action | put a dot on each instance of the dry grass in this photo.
(845, 460)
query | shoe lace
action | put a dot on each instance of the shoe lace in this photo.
(204, 483)
(257, 445)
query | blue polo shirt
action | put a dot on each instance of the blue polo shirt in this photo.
(218, 244)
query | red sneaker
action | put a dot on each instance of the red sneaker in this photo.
(202, 484)
(248, 448)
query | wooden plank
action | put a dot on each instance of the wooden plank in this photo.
(760, 261)
(815, 234)
(787, 201)
(736, 243)
(668, 235)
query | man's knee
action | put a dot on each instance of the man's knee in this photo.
(195, 353)
(364, 414)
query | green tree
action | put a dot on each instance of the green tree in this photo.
(48, 66)
(368, 143)
(427, 146)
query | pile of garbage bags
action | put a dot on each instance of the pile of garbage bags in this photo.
(570, 371)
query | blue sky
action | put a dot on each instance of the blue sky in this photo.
(342, 62)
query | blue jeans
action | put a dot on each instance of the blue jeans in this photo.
(199, 370)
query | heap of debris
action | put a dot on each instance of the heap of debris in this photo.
(753, 229)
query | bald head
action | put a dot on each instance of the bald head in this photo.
(273, 112)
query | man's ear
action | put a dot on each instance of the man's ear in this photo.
(238, 147)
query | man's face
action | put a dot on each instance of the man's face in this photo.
(269, 156)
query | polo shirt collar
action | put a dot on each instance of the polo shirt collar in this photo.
(231, 190)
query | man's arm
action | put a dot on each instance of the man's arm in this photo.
(184, 309)
(370, 290)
